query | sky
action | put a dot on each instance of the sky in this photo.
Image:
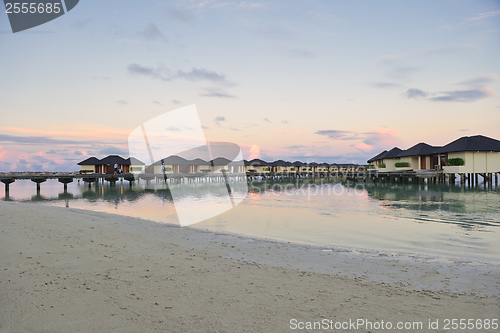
(324, 81)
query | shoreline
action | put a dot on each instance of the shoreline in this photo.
(77, 261)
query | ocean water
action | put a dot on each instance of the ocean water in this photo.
(448, 221)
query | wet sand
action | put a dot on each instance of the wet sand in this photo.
(70, 270)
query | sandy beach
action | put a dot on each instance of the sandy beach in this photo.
(70, 270)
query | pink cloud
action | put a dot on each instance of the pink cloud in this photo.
(254, 152)
(363, 147)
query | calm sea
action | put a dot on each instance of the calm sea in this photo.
(432, 220)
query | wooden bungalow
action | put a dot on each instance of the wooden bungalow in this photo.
(221, 164)
(280, 166)
(470, 154)
(258, 165)
(106, 165)
(90, 165)
(479, 154)
(198, 165)
(173, 164)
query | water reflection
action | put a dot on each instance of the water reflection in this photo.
(432, 219)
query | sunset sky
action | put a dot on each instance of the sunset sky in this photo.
(324, 81)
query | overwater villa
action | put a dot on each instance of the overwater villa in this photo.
(176, 164)
(106, 165)
(471, 155)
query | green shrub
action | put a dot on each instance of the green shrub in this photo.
(292, 169)
(455, 161)
(381, 165)
(266, 169)
(402, 164)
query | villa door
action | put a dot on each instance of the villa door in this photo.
(435, 161)
(422, 163)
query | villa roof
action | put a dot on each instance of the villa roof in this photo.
(198, 161)
(173, 160)
(133, 161)
(394, 152)
(281, 163)
(220, 161)
(90, 161)
(259, 162)
(298, 164)
(378, 157)
(114, 159)
(472, 143)
(420, 149)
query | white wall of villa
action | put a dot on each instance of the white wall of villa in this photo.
(475, 162)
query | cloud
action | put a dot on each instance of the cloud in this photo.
(234, 129)
(52, 162)
(77, 152)
(51, 152)
(179, 15)
(272, 32)
(415, 93)
(204, 127)
(378, 140)
(112, 150)
(121, 102)
(251, 5)
(284, 121)
(219, 120)
(484, 15)
(301, 53)
(265, 119)
(294, 147)
(172, 129)
(479, 80)
(363, 147)
(40, 158)
(448, 49)
(394, 57)
(80, 24)
(254, 152)
(164, 74)
(464, 95)
(337, 135)
(156, 102)
(35, 140)
(176, 102)
(216, 92)
(384, 85)
(402, 72)
(22, 161)
(151, 32)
